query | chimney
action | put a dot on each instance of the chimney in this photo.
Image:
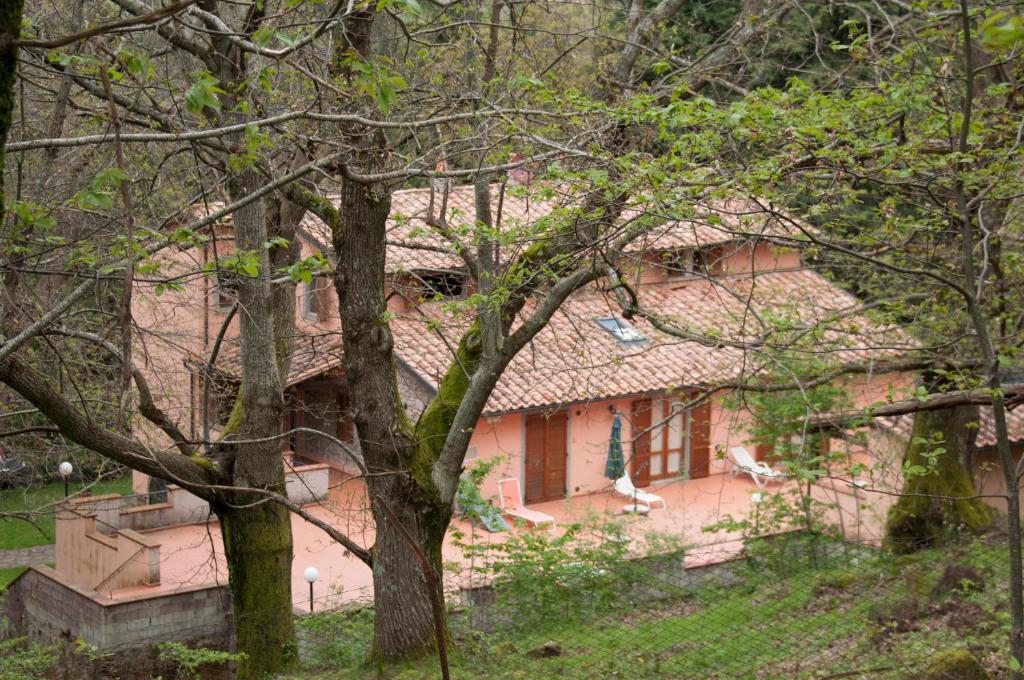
(521, 175)
(439, 188)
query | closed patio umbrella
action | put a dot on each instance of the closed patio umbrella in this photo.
(615, 466)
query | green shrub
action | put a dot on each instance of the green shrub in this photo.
(24, 660)
(188, 660)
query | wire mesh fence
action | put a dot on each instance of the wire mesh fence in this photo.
(796, 606)
(789, 606)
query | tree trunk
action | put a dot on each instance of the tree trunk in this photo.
(10, 29)
(404, 620)
(398, 464)
(925, 515)
(257, 534)
(258, 547)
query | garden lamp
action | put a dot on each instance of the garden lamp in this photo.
(756, 499)
(311, 574)
(65, 469)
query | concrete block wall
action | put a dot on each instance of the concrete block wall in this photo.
(40, 605)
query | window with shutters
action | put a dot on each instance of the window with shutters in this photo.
(685, 263)
(669, 441)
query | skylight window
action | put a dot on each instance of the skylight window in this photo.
(620, 328)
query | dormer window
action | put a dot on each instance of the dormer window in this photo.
(620, 329)
(685, 263)
(440, 284)
(678, 263)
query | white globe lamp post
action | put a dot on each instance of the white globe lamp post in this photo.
(65, 469)
(311, 574)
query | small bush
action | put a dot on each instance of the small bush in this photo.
(24, 660)
(188, 660)
(956, 664)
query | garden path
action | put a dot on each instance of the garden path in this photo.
(23, 557)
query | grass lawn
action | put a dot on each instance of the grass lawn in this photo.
(863, 616)
(8, 575)
(17, 533)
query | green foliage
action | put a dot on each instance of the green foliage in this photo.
(24, 660)
(203, 94)
(376, 80)
(1002, 31)
(99, 195)
(190, 661)
(332, 640)
(797, 608)
(306, 268)
(254, 142)
(955, 664)
(468, 494)
(7, 576)
(586, 569)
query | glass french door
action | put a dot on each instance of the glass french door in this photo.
(669, 442)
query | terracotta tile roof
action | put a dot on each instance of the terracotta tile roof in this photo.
(987, 428)
(573, 359)
(710, 224)
(312, 355)
(410, 209)
(415, 246)
(901, 426)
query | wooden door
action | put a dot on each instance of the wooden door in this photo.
(641, 460)
(700, 440)
(546, 457)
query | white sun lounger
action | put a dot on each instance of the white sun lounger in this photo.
(512, 504)
(758, 471)
(624, 486)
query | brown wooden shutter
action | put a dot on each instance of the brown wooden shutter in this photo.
(533, 490)
(763, 450)
(700, 441)
(323, 297)
(641, 460)
(546, 457)
(556, 455)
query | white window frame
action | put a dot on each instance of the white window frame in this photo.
(310, 300)
(620, 329)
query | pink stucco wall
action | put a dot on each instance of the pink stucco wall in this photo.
(590, 427)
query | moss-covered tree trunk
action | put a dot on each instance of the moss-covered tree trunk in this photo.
(928, 512)
(257, 533)
(258, 548)
(10, 29)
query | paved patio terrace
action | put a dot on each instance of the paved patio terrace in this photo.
(193, 555)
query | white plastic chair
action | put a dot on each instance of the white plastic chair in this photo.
(758, 471)
(511, 499)
(625, 487)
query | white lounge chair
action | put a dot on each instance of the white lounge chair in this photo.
(758, 471)
(624, 486)
(511, 499)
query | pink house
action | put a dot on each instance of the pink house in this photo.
(550, 416)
